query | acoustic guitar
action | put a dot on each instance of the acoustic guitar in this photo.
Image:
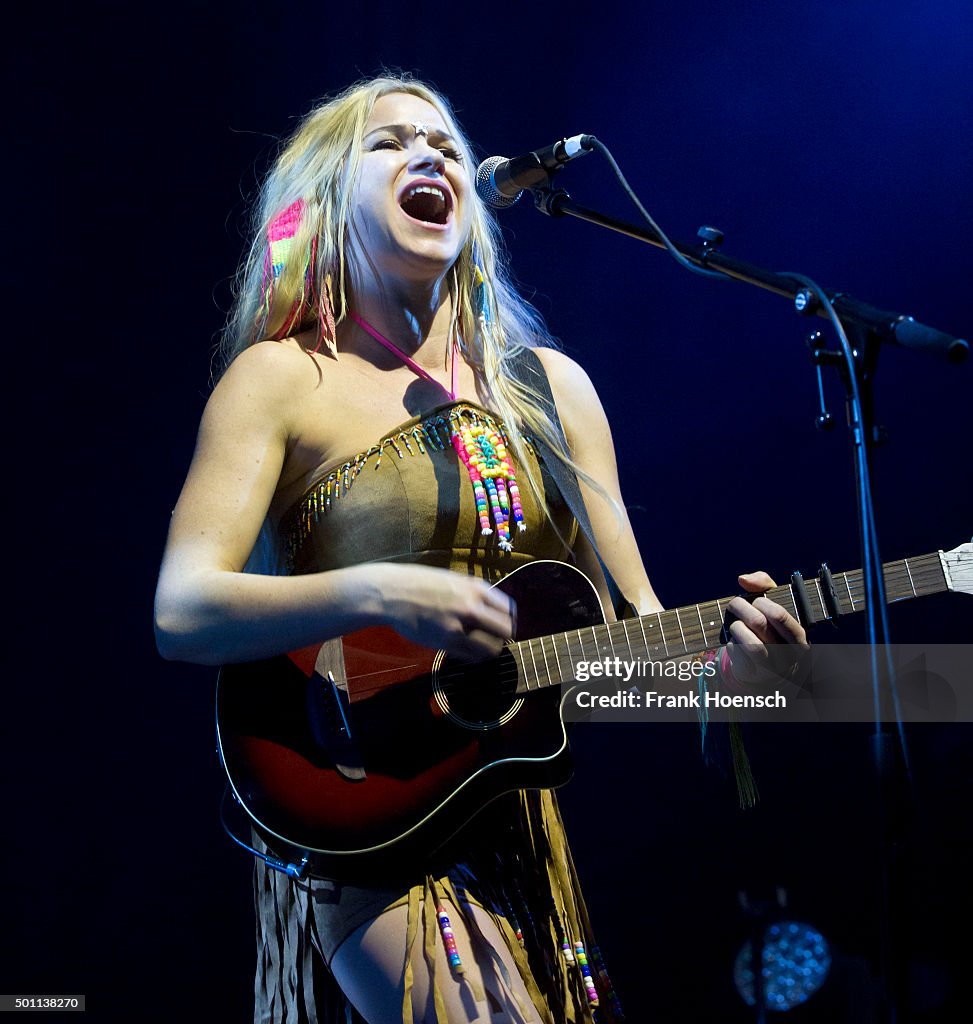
(368, 750)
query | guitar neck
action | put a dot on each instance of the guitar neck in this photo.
(695, 628)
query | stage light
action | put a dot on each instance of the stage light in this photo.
(795, 962)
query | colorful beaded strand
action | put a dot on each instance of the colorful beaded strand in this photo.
(481, 300)
(482, 451)
(449, 940)
(524, 909)
(514, 923)
(562, 938)
(589, 982)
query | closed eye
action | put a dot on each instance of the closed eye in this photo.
(399, 136)
(450, 152)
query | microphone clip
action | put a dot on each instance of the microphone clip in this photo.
(500, 181)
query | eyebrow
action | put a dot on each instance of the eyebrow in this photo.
(404, 129)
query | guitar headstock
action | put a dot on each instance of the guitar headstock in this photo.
(958, 565)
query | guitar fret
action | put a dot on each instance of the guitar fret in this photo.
(820, 596)
(844, 607)
(695, 629)
(571, 657)
(518, 649)
(608, 633)
(534, 663)
(594, 637)
(628, 640)
(702, 628)
(904, 584)
(560, 671)
(895, 583)
(645, 639)
(613, 629)
(905, 562)
(814, 597)
(685, 646)
(662, 632)
(844, 576)
(547, 667)
(654, 651)
(715, 623)
(584, 657)
(568, 638)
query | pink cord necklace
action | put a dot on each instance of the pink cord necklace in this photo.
(482, 450)
(409, 361)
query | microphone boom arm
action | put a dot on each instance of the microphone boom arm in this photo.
(894, 328)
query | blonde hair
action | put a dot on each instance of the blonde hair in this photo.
(318, 167)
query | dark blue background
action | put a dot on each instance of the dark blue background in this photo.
(830, 138)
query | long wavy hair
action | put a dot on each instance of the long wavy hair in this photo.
(314, 178)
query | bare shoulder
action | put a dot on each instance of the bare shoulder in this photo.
(271, 380)
(562, 370)
(577, 400)
(271, 369)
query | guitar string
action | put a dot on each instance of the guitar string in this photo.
(922, 574)
(908, 574)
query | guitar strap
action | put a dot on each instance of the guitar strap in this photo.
(529, 370)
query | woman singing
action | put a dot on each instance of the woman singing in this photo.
(379, 451)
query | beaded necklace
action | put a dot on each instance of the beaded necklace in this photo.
(481, 449)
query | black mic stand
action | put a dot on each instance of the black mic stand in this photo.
(869, 327)
(890, 760)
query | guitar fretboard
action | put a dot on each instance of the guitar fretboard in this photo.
(681, 632)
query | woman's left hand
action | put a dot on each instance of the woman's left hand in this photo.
(766, 641)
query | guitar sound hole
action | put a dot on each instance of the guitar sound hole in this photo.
(480, 695)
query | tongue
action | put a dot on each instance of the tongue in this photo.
(424, 206)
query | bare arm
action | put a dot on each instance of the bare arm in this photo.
(208, 610)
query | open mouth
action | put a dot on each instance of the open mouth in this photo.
(428, 203)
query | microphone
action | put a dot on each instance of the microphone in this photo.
(501, 180)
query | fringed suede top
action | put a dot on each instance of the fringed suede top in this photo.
(409, 498)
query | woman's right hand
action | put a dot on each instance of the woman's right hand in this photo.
(461, 615)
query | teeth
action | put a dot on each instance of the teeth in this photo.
(428, 189)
